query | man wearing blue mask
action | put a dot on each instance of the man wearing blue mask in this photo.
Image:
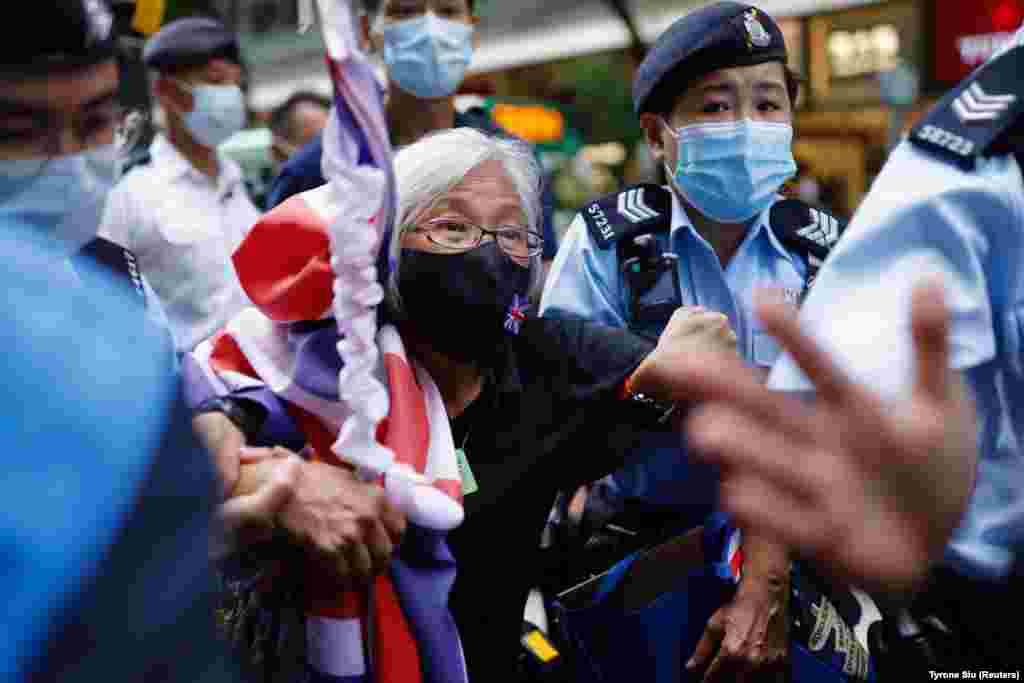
(185, 210)
(715, 99)
(426, 47)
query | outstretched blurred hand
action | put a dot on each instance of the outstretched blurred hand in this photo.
(871, 489)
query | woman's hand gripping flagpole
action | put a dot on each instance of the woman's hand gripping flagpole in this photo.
(357, 163)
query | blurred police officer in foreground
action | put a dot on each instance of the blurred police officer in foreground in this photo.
(948, 204)
(107, 502)
(185, 209)
(715, 99)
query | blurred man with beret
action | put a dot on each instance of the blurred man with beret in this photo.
(715, 98)
(107, 500)
(185, 209)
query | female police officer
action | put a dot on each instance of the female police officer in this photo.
(715, 99)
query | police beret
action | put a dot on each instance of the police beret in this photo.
(718, 36)
(64, 34)
(190, 42)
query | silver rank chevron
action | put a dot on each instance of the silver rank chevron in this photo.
(975, 105)
(824, 229)
(632, 206)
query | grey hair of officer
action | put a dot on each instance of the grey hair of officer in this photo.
(429, 168)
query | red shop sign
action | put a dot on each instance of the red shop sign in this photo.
(967, 33)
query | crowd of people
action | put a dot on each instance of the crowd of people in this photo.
(714, 433)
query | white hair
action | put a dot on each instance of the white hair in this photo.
(427, 169)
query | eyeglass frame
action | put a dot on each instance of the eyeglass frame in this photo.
(494, 232)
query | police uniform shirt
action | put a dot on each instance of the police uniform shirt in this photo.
(101, 462)
(587, 282)
(183, 227)
(925, 215)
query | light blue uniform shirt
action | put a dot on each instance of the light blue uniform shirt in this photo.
(923, 216)
(586, 281)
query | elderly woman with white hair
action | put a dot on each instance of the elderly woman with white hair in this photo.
(535, 406)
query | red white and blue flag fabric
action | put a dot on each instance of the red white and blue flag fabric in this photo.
(333, 383)
(282, 353)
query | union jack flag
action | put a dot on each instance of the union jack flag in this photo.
(516, 314)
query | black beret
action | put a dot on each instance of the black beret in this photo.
(192, 41)
(64, 34)
(718, 36)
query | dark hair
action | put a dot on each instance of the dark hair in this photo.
(664, 103)
(281, 117)
(373, 6)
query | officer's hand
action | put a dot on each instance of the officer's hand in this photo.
(690, 332)
(346, 522)
(747, 638)
(873, 489)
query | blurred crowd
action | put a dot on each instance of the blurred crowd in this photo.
(662, 408)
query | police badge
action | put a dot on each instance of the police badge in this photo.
(756, 34)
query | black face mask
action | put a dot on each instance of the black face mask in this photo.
(466, 304)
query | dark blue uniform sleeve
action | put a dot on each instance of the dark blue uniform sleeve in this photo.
(300, 174)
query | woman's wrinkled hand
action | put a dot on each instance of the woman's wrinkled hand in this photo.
(747, 638)
(348, 523)
(691, 331)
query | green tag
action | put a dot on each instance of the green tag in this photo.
(469, 484)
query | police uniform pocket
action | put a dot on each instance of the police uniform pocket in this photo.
(766, 349)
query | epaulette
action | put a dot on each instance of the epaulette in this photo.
(118, 261)
(810, 231)
(969, 120)
(136, 160)
(637, 210)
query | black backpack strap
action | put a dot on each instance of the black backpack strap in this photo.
(809, 231)
(637, 210)
(112, 259)
(971, 120)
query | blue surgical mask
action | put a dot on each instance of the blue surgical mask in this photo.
(732, 171)
(427, 56)
(217, 114)
(60, 202)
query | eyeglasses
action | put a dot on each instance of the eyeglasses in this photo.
(37, 143)
(518, 242)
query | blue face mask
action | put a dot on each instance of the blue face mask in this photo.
(427, 56)
(218, 112)
(731, 172)
(60, 202)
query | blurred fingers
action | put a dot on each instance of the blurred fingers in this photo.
(780, 320)
(930, 325)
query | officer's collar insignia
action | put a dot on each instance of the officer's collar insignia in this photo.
(757, 36)
(974, 105)
(100, 21)
(516, 314)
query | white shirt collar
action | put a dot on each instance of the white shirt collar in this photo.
(167, 157)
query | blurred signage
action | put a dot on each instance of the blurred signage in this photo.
(968, 33)
(863, 51)
(533, 123)
(849, 50)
